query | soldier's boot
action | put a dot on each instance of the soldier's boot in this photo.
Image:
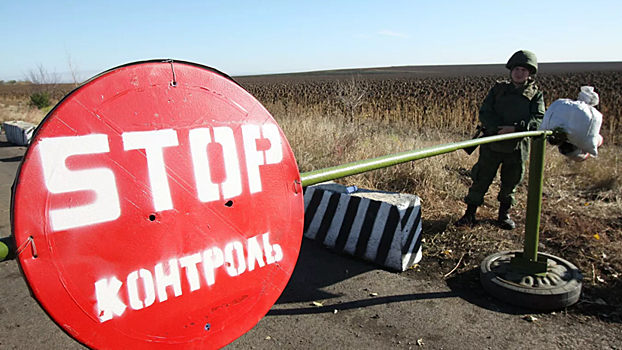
(468, 219)
(505, 222)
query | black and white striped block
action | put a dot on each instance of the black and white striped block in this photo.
(19, 132)
(381, 227)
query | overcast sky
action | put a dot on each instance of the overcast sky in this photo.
(256, 37)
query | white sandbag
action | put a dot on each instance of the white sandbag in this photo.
(588, 95)
(580, 121)
(19, 132)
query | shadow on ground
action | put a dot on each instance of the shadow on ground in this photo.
(7, 144)
(602, 301)
(12, 159)
(317, 268)
(467, 286)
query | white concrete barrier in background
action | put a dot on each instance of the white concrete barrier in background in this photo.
(382, 227)
(19, 132)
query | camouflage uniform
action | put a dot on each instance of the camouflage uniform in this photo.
(505, 105)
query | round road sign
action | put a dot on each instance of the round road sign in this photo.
(158, 206)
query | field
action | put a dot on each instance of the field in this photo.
(334, 117)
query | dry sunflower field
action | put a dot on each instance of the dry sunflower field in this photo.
(336, 117)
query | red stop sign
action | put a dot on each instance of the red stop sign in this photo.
(160, 207)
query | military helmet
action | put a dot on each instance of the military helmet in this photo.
(523, 58)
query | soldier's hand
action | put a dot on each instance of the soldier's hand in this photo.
(506, 130)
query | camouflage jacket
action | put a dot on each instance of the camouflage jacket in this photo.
(507, 105)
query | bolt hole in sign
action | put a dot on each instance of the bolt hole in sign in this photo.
(164, 204)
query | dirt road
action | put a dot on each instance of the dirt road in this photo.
(363, 307)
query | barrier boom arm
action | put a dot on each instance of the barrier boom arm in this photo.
(339, 171)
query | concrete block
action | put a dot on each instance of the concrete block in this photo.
(381, 227)
(19, 132)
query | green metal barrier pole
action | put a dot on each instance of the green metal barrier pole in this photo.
(4, 251)
(336, 172)
(529, 262)
(534, 198)
(7, 248)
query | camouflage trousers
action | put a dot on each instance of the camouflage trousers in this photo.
(484, 171)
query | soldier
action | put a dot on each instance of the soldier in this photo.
(510, 106)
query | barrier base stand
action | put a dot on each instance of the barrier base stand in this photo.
(557, 288)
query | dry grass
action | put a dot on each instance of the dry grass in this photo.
(20, 110)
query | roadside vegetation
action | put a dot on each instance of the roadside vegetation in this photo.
(582, 202)
(335, 120)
